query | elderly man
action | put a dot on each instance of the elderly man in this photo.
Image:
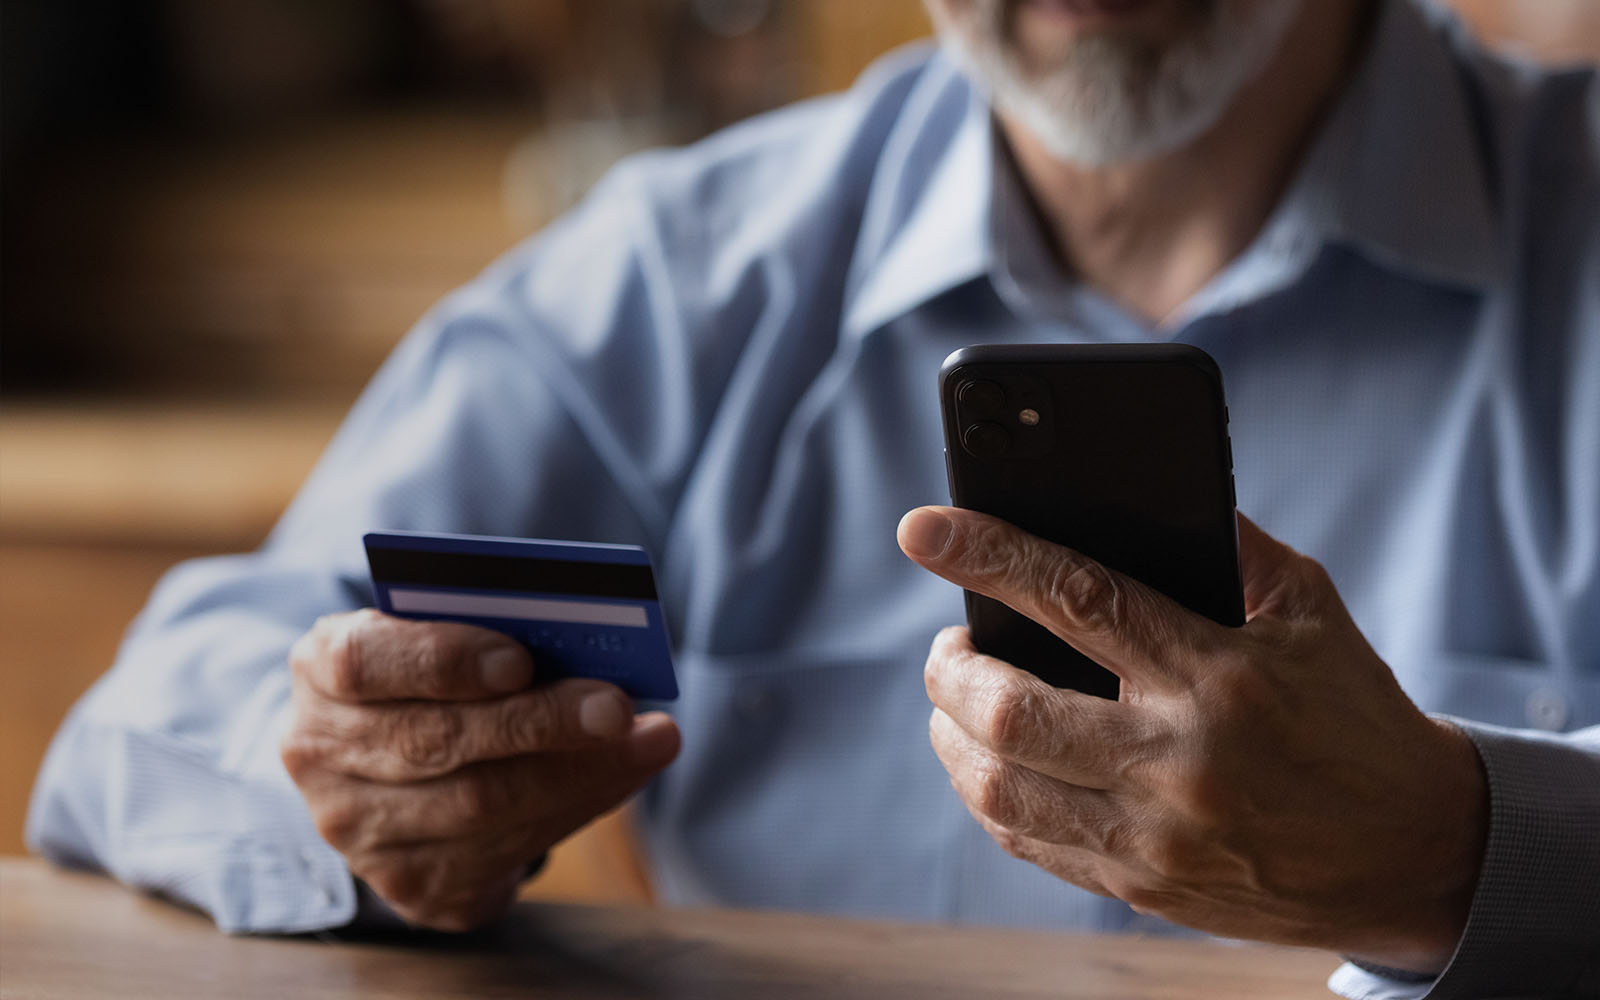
(1389, 241)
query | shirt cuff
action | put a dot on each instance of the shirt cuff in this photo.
(1360, 983)
(244, 850)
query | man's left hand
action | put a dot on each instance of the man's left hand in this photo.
(1269, 782)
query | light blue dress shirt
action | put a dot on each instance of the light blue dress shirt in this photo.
(728, 354)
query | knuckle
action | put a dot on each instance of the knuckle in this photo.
(941, 655)
(992, 550)
(340, 824)
(983, 549)
(997, 794)
(428, 738)
(1244, 690)
(301, 753)
(433, 649)
(1085, 592)
(305, 653)
(341, 662)
(528, 723)
(1009, 720)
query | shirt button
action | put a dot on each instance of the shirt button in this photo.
(1546, 709)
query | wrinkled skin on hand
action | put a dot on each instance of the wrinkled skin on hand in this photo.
(1270, 782)
(431, 764)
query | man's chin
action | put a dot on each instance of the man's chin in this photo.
(1094, 145)
(1099, 98)
(1091, 106)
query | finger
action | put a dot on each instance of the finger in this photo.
(539, 801)
(1080, 867)
(546, 796)
(1137, 633)
(1019, 798)
(366, 656)
(1070, 736)
(418, 740)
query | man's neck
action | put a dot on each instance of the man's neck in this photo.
(1151, 234)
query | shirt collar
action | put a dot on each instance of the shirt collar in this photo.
(1396, 172)
(925, 225)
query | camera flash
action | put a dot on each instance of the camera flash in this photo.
(1028, 418)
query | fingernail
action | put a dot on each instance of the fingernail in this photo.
(603, 715)
(654, 741)
(505, 669)
(925, 533)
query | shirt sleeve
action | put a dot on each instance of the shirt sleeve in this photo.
(504, 412)
(1534, 925)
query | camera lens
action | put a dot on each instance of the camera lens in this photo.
(986, 440)
(981, 398)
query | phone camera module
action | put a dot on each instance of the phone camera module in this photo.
(986, 440)
(981, 398)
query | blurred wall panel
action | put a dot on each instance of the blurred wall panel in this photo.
(286, 261)
(839, 38)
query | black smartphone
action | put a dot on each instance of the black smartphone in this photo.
(1119, 451)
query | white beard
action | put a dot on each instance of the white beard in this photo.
(1104, 100)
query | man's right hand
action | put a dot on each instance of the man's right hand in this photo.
(433, 766)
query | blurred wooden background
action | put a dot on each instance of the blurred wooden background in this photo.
(194, 290)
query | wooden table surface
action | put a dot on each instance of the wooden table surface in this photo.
(66, 935)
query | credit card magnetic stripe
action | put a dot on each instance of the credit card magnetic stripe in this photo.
(506, 572)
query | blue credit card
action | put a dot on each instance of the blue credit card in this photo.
(582, 609)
